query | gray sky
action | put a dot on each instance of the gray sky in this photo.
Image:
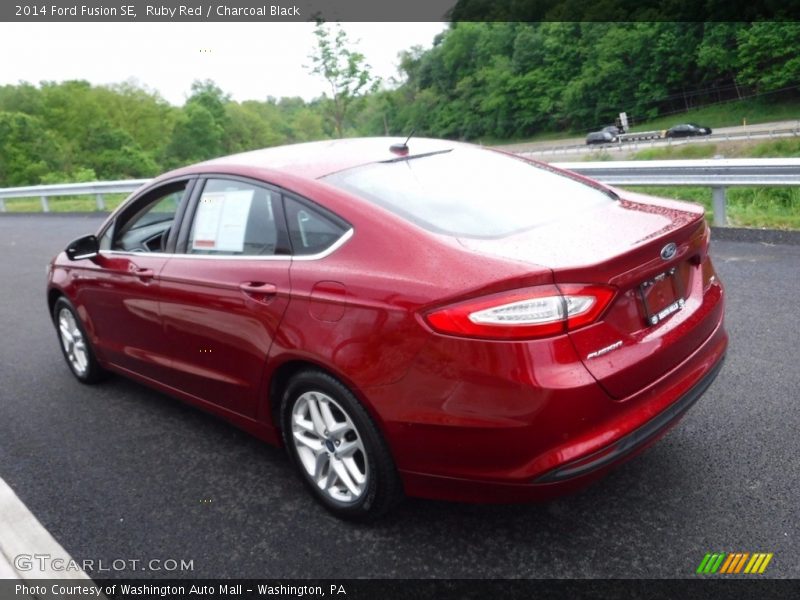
(250, 61)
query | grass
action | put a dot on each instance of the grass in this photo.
(63, 203)
(727, 114)
(780, 148)
(786, 148)
(686, 151)
(773, 208)
(542, 136)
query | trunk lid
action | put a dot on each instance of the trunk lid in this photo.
(659, 315)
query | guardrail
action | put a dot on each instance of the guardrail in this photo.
(94, 188)
(718, 174)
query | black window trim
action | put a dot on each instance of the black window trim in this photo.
(184, 217)
(284, 242)
(346, 227)
(145, 197)
(282, 247)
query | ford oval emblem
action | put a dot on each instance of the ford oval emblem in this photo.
(669, 251)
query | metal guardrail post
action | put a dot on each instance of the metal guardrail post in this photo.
(2, 205)
(101, 205)
(718, 202)
(45, 205)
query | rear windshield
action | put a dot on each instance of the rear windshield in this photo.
(468, 192)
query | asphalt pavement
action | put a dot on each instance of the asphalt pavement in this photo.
(117, 472)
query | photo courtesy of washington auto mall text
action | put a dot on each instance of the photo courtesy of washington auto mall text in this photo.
(135, 589)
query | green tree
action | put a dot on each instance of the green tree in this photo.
(345, 70)
(306, 125)
(211, 97)
(250, 126)
(141, 113)
(113, 154)
(197, 136)
(28, 151)
(768, 57)
(717, 53)
(22, 98)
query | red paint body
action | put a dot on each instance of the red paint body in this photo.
(465, 419)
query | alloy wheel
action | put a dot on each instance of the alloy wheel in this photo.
(73, 342)
(329, 447)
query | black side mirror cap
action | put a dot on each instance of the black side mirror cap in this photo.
(86, 246)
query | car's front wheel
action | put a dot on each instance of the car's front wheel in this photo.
(75, 343)
(336, 447)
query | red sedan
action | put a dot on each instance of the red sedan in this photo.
(428, 318)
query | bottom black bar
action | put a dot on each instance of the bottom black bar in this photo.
(701, 587)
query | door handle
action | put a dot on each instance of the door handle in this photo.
(144, 273)
(259, 289)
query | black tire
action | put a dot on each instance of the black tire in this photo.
(86, 370)
(381, 489)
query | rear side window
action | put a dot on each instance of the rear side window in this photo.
(310, 230)
(234, 218)
(470, 192)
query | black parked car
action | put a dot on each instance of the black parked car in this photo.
(687, 130)
(601, 137)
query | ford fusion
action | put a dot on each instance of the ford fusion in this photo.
(426, 318)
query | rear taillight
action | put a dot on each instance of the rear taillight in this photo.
(524, 313)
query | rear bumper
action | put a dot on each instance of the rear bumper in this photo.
(626, 428)
(637, 439)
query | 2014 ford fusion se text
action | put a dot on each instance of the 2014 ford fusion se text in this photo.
(426, 318)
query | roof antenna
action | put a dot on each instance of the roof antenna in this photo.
(402, 149)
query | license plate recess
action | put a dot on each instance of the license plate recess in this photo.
(662, 295)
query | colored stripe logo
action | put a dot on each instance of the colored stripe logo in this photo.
(734, 563)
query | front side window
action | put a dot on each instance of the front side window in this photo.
(145, 226)
(234, 218)
(470, 192)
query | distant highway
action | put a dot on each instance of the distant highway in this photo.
(577, 147)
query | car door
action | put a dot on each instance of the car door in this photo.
(120, 292)
(225, 292)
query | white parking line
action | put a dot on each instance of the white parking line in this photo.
(6, 571)
(23, 536)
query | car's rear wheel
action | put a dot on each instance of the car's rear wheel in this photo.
(336, 447)
(75, 343)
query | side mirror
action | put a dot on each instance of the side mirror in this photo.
(84, 247)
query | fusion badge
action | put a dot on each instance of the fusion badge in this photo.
(605, 350)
